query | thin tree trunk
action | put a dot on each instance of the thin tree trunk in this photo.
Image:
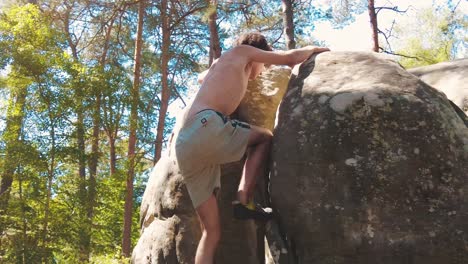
(113, 159)
(288, 24)
(23, 216)
(90, 194)
(373, 22)
(165, 92)
(94, 157)
(215, 47)
(80, 138)
(111, 132)
(50, 178)
(11, 136)
(135, 97)
(85, 240)
(80, 130)
(111, 136)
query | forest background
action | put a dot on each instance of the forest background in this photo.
(89, 88)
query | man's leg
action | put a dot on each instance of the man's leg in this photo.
(257, 156)
(208, 213)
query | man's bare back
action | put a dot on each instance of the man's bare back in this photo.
(224, 84)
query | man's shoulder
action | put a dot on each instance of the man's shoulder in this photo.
(235, 55)
(244, 50)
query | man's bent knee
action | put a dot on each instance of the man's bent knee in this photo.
(260, 135)
(209, 218)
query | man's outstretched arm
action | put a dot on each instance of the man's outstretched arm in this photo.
(289, 57)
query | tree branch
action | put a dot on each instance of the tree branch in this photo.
(394, 9)
(399, 54)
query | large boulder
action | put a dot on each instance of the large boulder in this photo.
(170, 230)
(169, 225)
(450, 77)
(369, 165)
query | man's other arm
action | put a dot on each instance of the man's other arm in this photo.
(289, 57)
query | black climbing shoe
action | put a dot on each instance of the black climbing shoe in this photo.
(243, 212)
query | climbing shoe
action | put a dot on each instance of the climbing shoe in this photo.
(251, 211)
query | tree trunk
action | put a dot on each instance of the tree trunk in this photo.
(11, 136)
(84, 241)
(126, 238)
(24, 222)
(165, 92)
(80, 131)
(288, 24)
(373, 22)
(94, 157)
(113, 159)
(215, 47)
(111, 132)
(80, 138)
(50, 178)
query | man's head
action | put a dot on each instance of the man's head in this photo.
(259, 41)
(253, 39)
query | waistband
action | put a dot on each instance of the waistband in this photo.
(187, 121)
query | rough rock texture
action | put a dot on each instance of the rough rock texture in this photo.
(170, 228)
(263, 96)
(369, 165)
(449, 77)
(257, 108)
(243, 241)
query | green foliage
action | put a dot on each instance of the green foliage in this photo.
(51, 97)
(29, 43)
(432, 37)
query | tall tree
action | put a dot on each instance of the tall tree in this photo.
(73, 40)
(374, 27)
(172, 16)
(288, 23)
(176, 44)
(135, 95)
(106, 26)
(373, 17)
(215, 47)
(165, 92)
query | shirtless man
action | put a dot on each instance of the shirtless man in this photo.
(206, 137)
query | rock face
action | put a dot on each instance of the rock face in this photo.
(169, 225)
(243, 241)
(170, 230)
(449, 77)
(369, 165)
(263, 96)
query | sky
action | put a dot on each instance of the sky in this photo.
(354, 38)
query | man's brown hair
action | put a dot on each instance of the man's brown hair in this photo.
(253, 39)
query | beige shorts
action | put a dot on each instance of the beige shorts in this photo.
(202, 144)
